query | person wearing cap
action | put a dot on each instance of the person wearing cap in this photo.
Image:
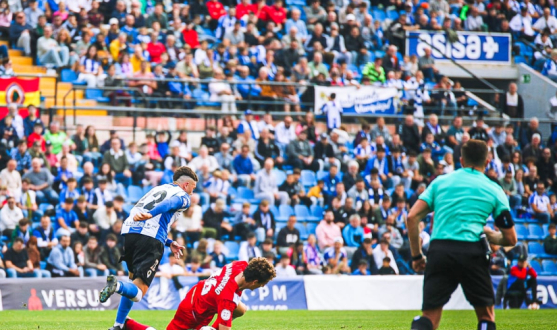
(522, 278)
(336, 257)
(521, 24)
(249, 124)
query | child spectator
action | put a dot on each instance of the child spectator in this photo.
(386, 268)
(111, 256)
(218, 258)
(316, 193)
(550, 242)
(362, 269)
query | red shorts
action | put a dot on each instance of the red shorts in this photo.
(185, 317)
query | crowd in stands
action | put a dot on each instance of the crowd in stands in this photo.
(312, 201)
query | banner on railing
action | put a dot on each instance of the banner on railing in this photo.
(366, 99)
(20, 91)
(472, 47)
(280, 294)
(54, 293)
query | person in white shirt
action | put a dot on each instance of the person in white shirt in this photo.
(333, 110)
(9, 217)
(283, 269)
(217, 186)
(222, 92)
(204, 159)
(424, 236)
(249, 250)
(172, 268)
(540, 204)
(17, 120)
(285, 132)
(522, 24)
(381, 251)
(266, 186)
(11, 178)
(546, 22)
(105, 216)
(28, 200)
(50, 52)
(189, 221)
(249, 124)
(474, 21)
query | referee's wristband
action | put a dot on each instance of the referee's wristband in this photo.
(418, 257)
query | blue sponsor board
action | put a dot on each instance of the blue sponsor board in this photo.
(547, 290)
(472, 47)
(280, 294)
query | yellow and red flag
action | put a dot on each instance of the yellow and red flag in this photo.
(22, 91)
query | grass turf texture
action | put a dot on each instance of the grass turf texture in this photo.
(283, 320)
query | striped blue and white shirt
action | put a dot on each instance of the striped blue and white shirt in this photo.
(90, 65)
(541, 202)
(163, 203)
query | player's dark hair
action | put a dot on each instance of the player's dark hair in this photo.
(185, 171)
(260, 270)
(474, 153)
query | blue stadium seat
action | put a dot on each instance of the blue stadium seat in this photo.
(128, 208)
(69, 75)
(135, 193)
(392, 15)
(302, 229)
(308, 178)
(280, 176)
(146, 189)
(536, 232)
(321, 174)
(204, 199)
(233, 249)
(311, 228)
(96, 94)
(285, 211)
(521, 231)
(43, 265)
(545, 230)
(245, 195)
(274, 210)
(302, 214)
(519, 59)
(549, 268)
(536, 265)
(535, 249)
(317, 211)
(379, 15)
(232, 192)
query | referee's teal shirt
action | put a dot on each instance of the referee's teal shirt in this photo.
(462, 201)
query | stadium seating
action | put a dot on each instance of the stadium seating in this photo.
(303, 214)
(536, 232)
(308, 179)
(233, 249)
(135, 193)
(317, 211)
(549, 268)
(285, 211)
(521, 231)
(536, 265)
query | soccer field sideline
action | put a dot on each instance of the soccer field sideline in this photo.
(283, 320)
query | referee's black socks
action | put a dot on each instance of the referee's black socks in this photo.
(422, 323)
(486, 325)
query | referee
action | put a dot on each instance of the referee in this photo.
(462, 201)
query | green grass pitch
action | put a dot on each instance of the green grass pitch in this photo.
(283, 320)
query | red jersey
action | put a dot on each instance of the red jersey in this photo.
(155, 51)
(191, 38)
(276, 14)
(36, 137)
(242, 10)
(216, 9)
(218, 294)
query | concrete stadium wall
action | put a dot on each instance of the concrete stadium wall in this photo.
(536, 94)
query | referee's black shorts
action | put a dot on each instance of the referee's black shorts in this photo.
(142, 255)
(450, 263)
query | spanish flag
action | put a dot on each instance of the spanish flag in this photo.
(20, 91)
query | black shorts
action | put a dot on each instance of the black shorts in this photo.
(142, 255)
(450, 263)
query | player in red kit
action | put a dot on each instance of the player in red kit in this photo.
(220, 294)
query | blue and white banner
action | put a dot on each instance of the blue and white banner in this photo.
(280, 294)
(547, 290)
(473, 47)
(366, 99)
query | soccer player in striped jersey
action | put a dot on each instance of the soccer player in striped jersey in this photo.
(145, 234)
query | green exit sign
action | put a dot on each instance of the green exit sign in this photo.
(526, 78)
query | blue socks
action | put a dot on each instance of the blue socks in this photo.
(123, 310)
(127, 289)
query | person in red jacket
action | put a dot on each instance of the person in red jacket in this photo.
(521, 278)
(155, 48)
(277, 13)
(190, 36)
(216, 11)
(261, 14)
(244, 9)
(36, 136)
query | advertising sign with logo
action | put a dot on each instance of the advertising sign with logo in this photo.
(472, 47)
(55, 293)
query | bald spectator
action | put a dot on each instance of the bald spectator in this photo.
(529, 131)
(426, 64)
(474, 21)
(534, 149)
(11, 178)
(41, 182)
